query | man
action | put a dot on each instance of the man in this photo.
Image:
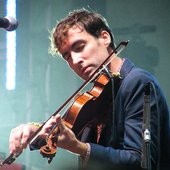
(84, 40)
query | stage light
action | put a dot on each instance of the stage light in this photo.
(11, 48)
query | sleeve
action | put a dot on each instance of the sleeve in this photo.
(128, 155)
(38, 142)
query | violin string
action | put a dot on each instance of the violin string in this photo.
(62, 114)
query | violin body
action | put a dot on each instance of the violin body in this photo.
(86, 109)
(88, 105)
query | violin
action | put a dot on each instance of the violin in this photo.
(76, 113)
(76, 118)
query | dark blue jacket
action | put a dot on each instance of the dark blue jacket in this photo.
(121, 142)
(124, 150)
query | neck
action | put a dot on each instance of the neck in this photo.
(115, 64)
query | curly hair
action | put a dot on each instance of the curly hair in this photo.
(92, 22)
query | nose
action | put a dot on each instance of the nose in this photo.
(76, 58)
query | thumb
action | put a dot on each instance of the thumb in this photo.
(60, 123)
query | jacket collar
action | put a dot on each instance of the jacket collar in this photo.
(126, 68)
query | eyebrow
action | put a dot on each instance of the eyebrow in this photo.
(73, 45)
(77, 42)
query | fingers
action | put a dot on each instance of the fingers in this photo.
(47, 127)
(56, 129)
(14, 140)
(53, 129)
(19, 137)
(60, 123)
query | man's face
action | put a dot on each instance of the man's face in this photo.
(83, 52)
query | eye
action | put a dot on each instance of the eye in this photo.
(79, 47)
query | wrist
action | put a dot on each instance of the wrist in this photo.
(85, 158)
(37, 125)
(84, 150)
(80, 148)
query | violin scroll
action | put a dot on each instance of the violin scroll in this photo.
(49, 150)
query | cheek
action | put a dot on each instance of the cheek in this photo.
(70, 65)
(100, 55)
(73, 68)
(91, 52)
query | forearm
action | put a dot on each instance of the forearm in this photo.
(79, 148)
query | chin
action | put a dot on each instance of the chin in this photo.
(85, 77)
(82, 77)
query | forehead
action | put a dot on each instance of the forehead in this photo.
(74, 34)
(75, 29)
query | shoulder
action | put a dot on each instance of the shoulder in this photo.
(137, 74)
(138, 77)
(132, 74)
(134, 78)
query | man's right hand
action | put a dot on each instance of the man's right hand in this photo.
(19, 137)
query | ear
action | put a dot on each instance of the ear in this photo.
(105, 38)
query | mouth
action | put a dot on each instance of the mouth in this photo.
(86, 70)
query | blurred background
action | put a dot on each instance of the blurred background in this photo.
(34, 84)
